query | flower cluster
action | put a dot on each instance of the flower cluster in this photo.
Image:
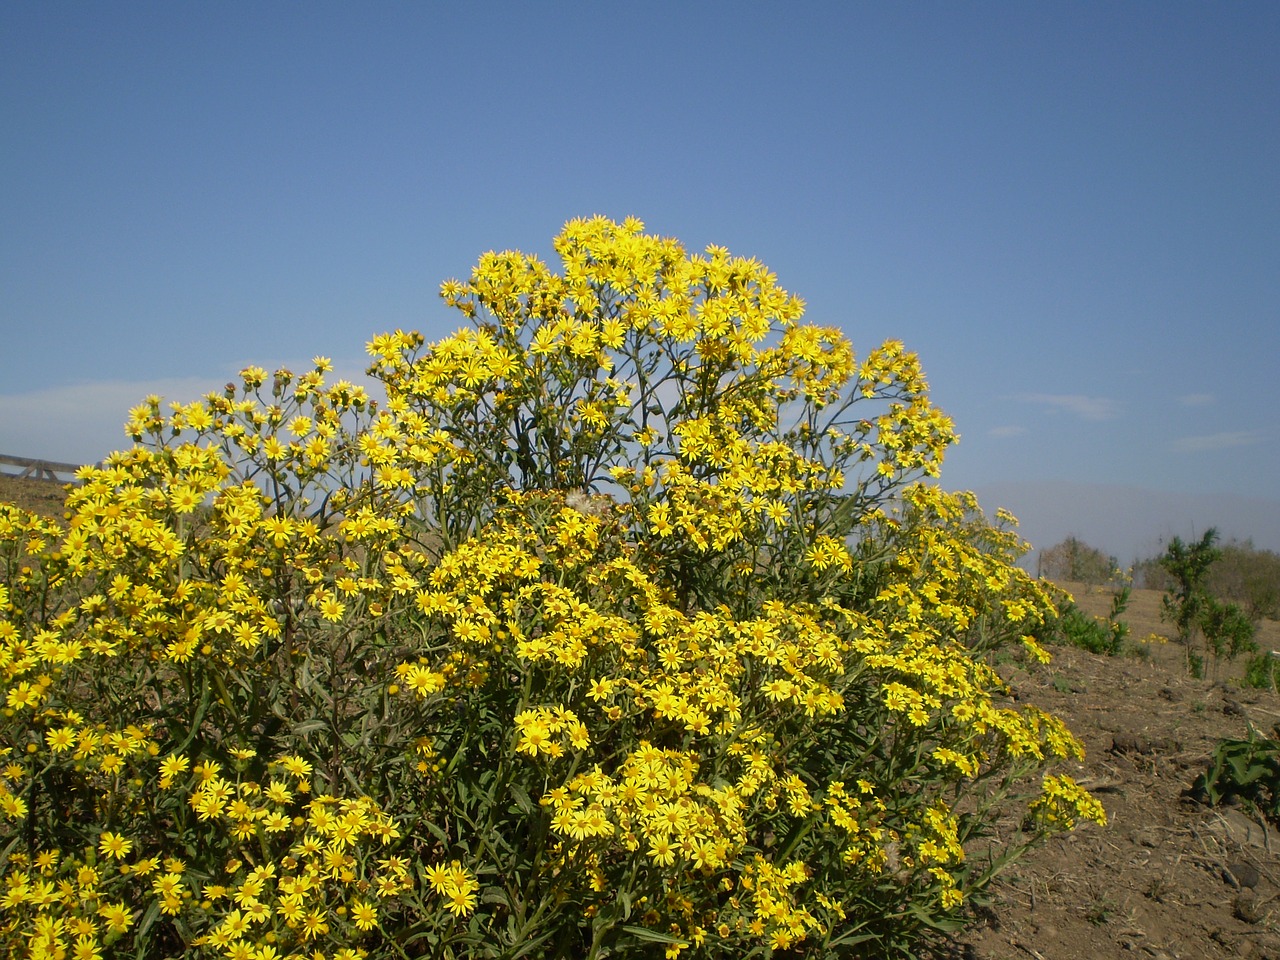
(630, 616)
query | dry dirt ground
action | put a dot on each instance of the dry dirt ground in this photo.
(1166, 878)
(37, 496)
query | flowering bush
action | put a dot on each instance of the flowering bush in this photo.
(628, 623)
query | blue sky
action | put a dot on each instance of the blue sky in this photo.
(1070, 211)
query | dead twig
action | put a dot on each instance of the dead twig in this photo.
(1031, 950)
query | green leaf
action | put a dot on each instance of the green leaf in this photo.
(496, 895)
(148, 918)
(853, 936)
(436, 831)
(653, 936)
(201, 710)
(941, 924)
(530, 944)
(521, 797)
(1246, 771)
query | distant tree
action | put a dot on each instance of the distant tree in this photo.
(1249, 577)
(1075, 560)
(1149, 575)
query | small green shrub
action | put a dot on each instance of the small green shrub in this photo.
(1195, 664)
(1076, 628)
(1187, 565)
(1099, 635)
(1262, 672)
(1225, 629)
(1228, 631)
(1119, 630)
(1246, 769)
(1242, 573)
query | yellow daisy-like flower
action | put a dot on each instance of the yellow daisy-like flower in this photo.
(61, 739)
(117, 916)
(460, 902)
(114, 845)
(364, 915)
(331, 609)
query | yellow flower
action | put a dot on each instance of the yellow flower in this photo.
(184, 499)
(535, 734)
(117, 915)
(296, 765)
(1037, 652)
(60, 739)
(364, 915)
(456, 884)
(314, 924)
(662, 851)
(114, 845)
(460, 902)
(331, 608)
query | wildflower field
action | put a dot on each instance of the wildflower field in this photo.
(629, 623)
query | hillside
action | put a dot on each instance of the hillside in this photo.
(37, 496)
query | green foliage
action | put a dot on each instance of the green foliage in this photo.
(1228, 631)
(1195, 664)
(1262, 672)
(1078, 629)
(1246, 769)
(1096, 634)
(1076, 561)
(1119, 630)
(1242, 574)
(1215, 593)
(1194, 611)
(1187, 565)
(1248, 577)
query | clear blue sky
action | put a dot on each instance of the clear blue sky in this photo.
(1070, 211)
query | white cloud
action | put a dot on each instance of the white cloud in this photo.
(1197, 399)
(1004, 433)
(1084, 407)
(82, 423)
(1217, 441)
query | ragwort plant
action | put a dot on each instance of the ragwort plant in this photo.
(628, 624)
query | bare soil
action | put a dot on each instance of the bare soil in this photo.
(1166, 878)
(37, 496)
